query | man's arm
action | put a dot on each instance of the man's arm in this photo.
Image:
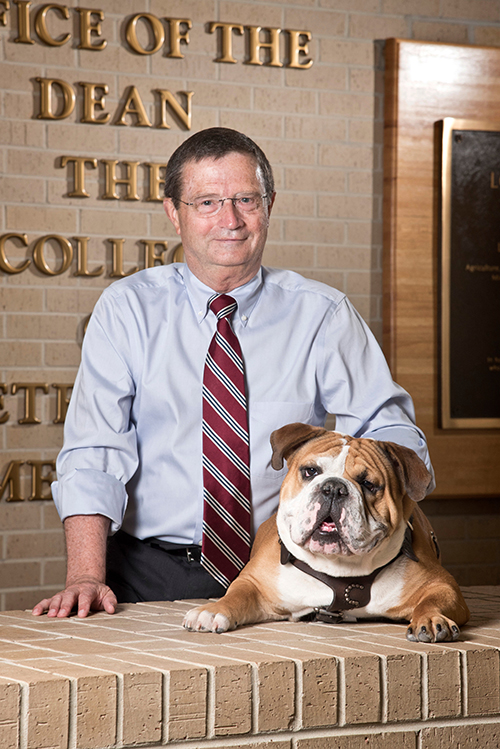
(86, 537)
(358, 387)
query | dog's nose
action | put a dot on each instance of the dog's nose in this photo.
(334, 489)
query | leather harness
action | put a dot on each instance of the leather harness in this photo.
(348, 592)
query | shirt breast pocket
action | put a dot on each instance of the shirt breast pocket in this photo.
(265, 418)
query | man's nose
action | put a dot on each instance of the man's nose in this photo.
(229, 215)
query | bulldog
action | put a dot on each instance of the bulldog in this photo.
(348, 537)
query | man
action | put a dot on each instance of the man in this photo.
(130, 473)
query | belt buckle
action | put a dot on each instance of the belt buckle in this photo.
(189, 555)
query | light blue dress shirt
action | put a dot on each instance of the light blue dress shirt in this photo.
(133, 440)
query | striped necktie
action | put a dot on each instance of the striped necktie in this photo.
(226, 472)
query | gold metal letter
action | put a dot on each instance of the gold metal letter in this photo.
(81, 263)
(4, 263)
(39, 254)
(178, 256)
(112, 180)
(3, 17)
(23, 22)
(150, 257)
(87, 28)
(133, 105)
(226, 39)
(38, 479)
(117, 271)
(46, 86)
(41, 25)
(167, 98)
(79, 190)
(492, 181)
(155, 182)
(5, 416)
(91, 101)
(176, 36)
(256, 45)
(30, 389)
(156, 28)
(62, 401)
(13, 479)
(296, 49)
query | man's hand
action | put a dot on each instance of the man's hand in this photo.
(86, 594)
(85, 590)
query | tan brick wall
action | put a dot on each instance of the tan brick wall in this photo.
(322, 129)
(137, 678)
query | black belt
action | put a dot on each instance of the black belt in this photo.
(192, 552)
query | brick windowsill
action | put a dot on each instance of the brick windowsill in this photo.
(137, 678)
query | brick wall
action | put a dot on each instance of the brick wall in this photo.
(321, 128)
(137, 678)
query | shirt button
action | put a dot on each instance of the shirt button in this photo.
(244, 318)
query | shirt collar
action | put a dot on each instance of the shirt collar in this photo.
(246, 296)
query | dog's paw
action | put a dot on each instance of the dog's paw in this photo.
(436, 628)
(202, 619)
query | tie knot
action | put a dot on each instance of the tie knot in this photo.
(222, 305)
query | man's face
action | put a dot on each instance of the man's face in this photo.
(230, 244)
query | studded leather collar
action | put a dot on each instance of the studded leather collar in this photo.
(348, 592)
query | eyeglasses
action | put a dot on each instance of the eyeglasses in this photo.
(211, 206)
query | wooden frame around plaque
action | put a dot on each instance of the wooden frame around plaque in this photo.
(424, 83)
(470, 275)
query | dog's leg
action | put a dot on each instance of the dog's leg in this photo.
(250, 598)
(439, 613)
(242, 604)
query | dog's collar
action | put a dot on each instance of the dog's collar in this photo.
(348, 592)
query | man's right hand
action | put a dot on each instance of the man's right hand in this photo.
(85, 594)
(86, 537)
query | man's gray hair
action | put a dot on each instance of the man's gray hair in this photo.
(214, 143)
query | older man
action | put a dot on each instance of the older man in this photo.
(166, 459)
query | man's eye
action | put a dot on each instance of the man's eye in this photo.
(207, 202)
(309, 472)
(246, 200)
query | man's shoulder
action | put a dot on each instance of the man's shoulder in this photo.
(290, 281)
(145, 281)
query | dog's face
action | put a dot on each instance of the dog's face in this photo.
(343, 496)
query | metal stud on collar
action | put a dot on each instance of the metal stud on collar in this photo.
(352, 601)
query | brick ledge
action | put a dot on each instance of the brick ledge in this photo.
(138, 679)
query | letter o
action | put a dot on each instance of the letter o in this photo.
(156, 28)
(39, 254)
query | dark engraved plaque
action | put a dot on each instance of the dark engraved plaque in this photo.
(470, 288)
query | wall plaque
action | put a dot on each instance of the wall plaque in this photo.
(470, 275)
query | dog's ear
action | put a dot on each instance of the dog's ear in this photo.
(289, 438)
(411, 470)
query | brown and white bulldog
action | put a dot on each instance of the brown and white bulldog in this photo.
(348, 536)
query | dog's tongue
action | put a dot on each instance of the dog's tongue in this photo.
(328, 526)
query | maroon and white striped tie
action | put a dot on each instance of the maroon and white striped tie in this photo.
(226, 474)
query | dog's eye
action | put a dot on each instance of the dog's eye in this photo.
(369, 486)
(309, 472)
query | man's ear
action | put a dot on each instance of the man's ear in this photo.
(172, 213)
(289, 438)
(270, 205)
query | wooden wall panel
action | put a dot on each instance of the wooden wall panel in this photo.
(426, 82)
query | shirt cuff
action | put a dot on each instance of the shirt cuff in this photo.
(90, 492)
